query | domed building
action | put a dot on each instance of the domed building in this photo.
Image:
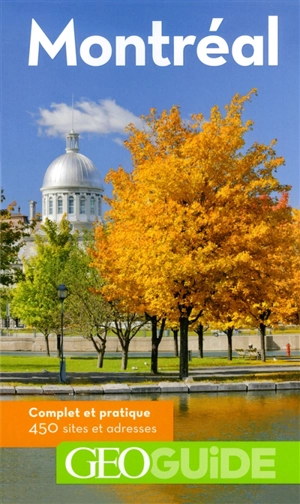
(72, 186)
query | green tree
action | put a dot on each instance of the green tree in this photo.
(87, 310)
(11, 240)
(125, 326)
(35, 299)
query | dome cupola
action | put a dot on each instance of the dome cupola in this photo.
(72, 142)
(72, 185)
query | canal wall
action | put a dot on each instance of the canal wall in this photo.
(159, 388)
(15, 343)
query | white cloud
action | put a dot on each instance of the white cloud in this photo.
(119, 141)
(102, 117)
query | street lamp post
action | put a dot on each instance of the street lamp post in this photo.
(62, 293)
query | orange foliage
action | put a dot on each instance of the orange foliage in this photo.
(196, 219)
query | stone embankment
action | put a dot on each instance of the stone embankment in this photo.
(160, 388)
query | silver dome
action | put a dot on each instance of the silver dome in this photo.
(72, 170)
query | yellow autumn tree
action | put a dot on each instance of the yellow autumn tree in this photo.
(261, 283)
(176, 223)
(286, 309)
(293, 282)
(254, 291)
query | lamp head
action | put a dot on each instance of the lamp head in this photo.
(62, 292)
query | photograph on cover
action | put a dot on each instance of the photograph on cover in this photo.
(150, 245)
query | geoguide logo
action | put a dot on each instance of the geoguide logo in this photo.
(220, 462)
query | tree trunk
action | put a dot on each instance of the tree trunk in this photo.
(100, 358)
(262, 330)
(125, 348)
(175, 336)
(155, 341)
(229, 333)
(47, 345)
(184, 354)
(101, 352)
(154, 345)
(154, 358)
(200, 340)
(100, 346)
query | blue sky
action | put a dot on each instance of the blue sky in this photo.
(36, 101)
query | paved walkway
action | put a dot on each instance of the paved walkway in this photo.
(231, 371)
(103, 377)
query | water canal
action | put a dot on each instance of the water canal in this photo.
(29, 474)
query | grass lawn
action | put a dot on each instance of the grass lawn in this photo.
(113, 364)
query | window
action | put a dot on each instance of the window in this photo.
(50, 206)
(71, 205)
(99, 206)
(60, 205)
(82, 205)
(92, 205)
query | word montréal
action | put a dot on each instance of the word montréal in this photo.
(210, 50)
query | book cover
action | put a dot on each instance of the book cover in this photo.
(74, 75)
